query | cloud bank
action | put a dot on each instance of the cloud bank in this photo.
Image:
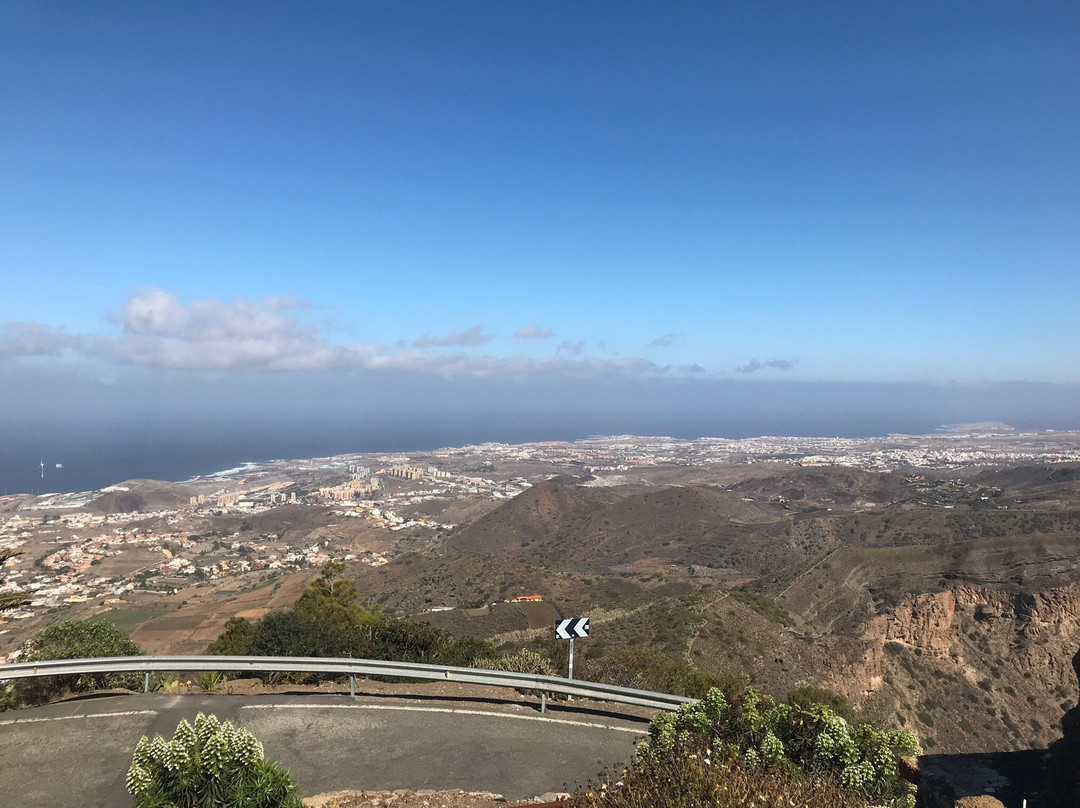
(155, 329)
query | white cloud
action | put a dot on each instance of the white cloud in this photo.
(533, 331)
(469, 338)
(753, 366)
(664, 341)
(159, 330)
(155, 329)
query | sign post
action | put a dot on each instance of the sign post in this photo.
(569, 629)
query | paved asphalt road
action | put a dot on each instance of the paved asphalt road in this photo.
(77, 753)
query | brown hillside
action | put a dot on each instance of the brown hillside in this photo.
(825, 485)
(534, 515)
(567, 529)
(142, 495)
(1059, 481)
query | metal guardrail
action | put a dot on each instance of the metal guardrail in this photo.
(345, 667)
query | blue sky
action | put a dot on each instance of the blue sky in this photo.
(828, 192)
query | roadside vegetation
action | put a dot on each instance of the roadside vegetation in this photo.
(644, 668)
(74, 640)
(754, 750)
(327, 621)
(637, 665)
(211, 765)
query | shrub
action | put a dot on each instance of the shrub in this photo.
(812, 740)
(763, 605)
(706, 780)
(326, 621)
(208, 680)
(406, 640)
(209, 765)
(78, 640)
(647, 669)
(237, 639)
(524, 661)
(806, 697)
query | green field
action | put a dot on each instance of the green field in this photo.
(261, 585)
(127, 620)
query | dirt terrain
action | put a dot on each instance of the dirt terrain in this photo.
(406, 799)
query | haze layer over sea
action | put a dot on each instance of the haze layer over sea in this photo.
(95, 460)
(170, 428)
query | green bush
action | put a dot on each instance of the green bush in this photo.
(806, 697)
(812, 739)
(209, 765)
(208, 680)
(763, 605)
(78, 640)
(326, 621)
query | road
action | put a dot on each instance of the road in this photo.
(77, 753)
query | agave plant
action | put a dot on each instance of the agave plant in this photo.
(209, 765)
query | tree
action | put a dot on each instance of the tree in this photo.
(10, 600)
(299, 635)
(288, 633)
(331, 597)
(238, 639)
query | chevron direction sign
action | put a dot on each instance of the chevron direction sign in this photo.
(571, 628)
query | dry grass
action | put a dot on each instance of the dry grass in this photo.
(699, 780)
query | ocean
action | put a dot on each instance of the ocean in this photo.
(92, 458)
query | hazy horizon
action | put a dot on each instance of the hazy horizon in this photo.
(172, 429)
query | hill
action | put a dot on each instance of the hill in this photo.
(1046, 483)
(597, 530)
(134, 496)
(821, 486)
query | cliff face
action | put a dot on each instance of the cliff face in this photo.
(931, 622)
(925, 622)
(974, 668)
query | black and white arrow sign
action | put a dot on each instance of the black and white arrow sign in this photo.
(571, 628)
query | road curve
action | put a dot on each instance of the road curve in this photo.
(76, 753)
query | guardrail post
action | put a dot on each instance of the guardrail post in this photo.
(146, 682)
(543, 701)
(352, 685)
